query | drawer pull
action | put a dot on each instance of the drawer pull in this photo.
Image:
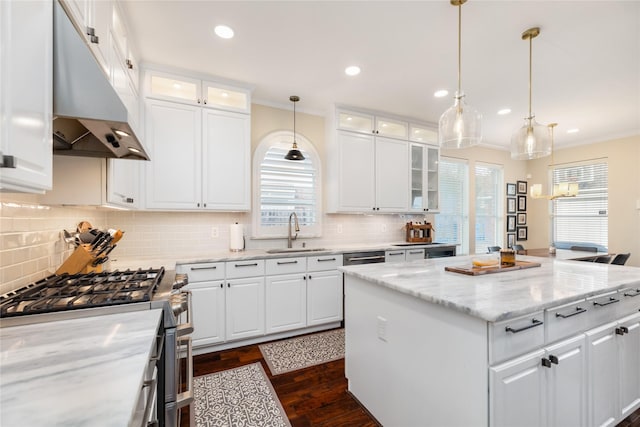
(213, 267)
(396, 253)
(546, 362)
(633, 293)
(602, 304)
(254, 264)
(578, 311)
(415, 252)
(622, 330)
(287, 262)
(553, 359)
(326, 259)
(534, 323)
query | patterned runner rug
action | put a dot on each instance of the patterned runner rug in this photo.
(301, 352)
(238, 397)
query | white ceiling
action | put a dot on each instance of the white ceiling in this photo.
(586, 61)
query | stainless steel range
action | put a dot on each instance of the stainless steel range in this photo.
(82, 295)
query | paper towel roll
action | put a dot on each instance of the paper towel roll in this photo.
(236, 237)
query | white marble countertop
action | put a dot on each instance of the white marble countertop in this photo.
(498, 296)
(79, 372)
(249, 254)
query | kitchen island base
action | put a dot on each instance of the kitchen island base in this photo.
(414, 363)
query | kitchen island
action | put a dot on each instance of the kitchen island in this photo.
(557, 344)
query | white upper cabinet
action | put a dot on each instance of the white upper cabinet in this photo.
(173, 87)
(355, 121)
(424, 187)
(391, 128)
(26, 37)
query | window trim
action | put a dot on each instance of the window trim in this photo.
(304, 145)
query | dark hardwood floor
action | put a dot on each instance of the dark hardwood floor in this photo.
(313, 397)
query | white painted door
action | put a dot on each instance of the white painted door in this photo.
(629, 345)
(245, 307)
(324, 297)
(518, 392)
(414, 254)
(173, 138)
(603, 379)
(286, 302)
(208, 314)
(392, 175)
(356, 172)
(567, 383)
(397, 255)
(226, 154)
(101, 16)
(26, 35)
(123, 183)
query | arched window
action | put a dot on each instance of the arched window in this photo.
(285, 186)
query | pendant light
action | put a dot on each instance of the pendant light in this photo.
(461, 125)
(532, 140)
(562, 189)
(294, 153)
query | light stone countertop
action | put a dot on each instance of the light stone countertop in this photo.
(79, 372)
(498, 296)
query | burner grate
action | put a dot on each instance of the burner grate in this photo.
(76, 291)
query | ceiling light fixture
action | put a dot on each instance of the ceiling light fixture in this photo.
(461, 125)
(562, 189)
(353, 70)
(441, 93)
(223, 31)
(531, 141)
(574, 130)
(504, 111)
(294, 153)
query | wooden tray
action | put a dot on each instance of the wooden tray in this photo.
(477, 271)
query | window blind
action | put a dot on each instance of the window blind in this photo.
(287, 186)
(452, 223)
(488, 206)
(584, 218)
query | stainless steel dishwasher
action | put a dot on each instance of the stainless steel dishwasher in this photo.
(363, 257)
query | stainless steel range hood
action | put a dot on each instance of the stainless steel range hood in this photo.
(89, 119)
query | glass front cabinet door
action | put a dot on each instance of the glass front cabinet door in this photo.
(424, 178)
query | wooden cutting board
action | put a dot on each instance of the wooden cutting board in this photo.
(477, 271)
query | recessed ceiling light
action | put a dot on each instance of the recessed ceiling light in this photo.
(504, 111)
(574, 130)
(223, 31)
(353, 70)
(441, 93)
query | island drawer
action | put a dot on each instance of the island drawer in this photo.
(202, 271)
(286, 265)
(630, 300)
(567, 319)
(245, 268)
(604, 307)
(324, 262)
(515, 336)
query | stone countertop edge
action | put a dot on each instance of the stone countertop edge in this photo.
(498, 296)
(251, 254)
(82, 372)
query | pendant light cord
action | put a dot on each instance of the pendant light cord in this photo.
(459, 46)
(530, 70)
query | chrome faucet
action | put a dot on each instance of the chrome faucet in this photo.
(289, 237)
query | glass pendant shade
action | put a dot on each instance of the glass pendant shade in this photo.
(531, 141)
(460, 126)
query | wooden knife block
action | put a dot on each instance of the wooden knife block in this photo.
(79, 262)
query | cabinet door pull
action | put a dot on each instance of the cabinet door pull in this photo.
(534, 323)
(395, 253)
(632, 293)
(211, 267)
(7, 161)
(415, 252)
(546, 362)
(253, 264)
(602, 304)
(578, 311)
(553, 359)
(221, 285)
(228, 284)
(309, 277)
(326, 259)
(622, 330)
(287, 262)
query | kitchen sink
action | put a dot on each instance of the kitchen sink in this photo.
(294, 250)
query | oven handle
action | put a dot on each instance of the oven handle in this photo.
(147, 410)
(186, 398)
(186, 328)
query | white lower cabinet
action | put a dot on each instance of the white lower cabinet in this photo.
(545, 387)
(324, 297)
(245, 307)
(208, 304)
(614, 371)
(286, 302)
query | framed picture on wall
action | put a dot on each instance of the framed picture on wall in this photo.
(511, 205)
(511, 223)
(522, 203)
(522, 233)
(511, 189)
(522, 187)
(522, 218)
(511, 240)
